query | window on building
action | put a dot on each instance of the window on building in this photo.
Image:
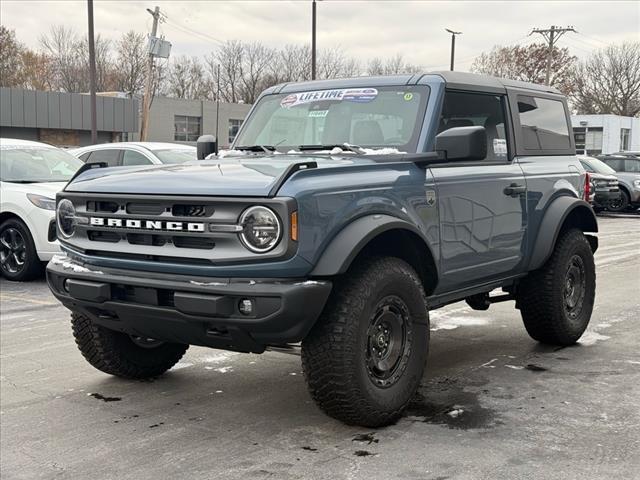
(234, 127)
(579, 135)
(109, 156)
(593, 141)
(625, 137)
(187, 129)
(544, 123)
(471, 109)
(131, 157)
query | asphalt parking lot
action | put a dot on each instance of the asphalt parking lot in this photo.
(493, 404)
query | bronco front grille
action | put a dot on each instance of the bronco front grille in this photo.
(189, 230)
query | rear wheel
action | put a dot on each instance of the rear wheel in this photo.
(364, 359)
(556, 301)
(124, 355)
(18, 257)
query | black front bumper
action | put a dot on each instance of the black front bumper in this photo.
(196, 311)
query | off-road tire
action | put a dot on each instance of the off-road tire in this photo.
(115, 353)
(336, 351)
(32, 267)
(543, 293)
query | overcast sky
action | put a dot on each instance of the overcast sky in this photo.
(364, 29)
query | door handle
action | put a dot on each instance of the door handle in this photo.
(514, 190)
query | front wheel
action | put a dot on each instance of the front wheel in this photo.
(18, 257)
(556, 301)
(619, 204)
(123, 355)
(364, 359)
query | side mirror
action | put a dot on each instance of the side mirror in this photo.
(463, 143)
(206, 145)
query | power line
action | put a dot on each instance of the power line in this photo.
(186, 29)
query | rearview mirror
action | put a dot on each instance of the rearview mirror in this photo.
(206, 145)
(463, 143)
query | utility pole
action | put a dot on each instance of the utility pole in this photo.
(313, 39)
(217, 147)
(551, 35)
(92, 75)
(453, 45)
(148, 93)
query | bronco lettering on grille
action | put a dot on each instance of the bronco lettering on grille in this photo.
(147, 224)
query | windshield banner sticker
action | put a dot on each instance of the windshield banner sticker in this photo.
(358, 95)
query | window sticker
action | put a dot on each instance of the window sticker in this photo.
(500, 147)
(408, 97)
(318, 113)
(357, 95)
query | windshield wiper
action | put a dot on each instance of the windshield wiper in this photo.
(344, 146)
(257, 148)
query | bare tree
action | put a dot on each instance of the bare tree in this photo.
(333, 63)
(528, 64)
(10, 58)
(391, 66)
(256, 60)
(186, 79)
(229, 56)
(609, 81)
(61, 45)
(37, 71)
(131, 57)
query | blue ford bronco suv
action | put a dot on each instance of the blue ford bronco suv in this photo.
(344, 211)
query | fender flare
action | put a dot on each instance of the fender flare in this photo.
(552, 222)
(349, 242)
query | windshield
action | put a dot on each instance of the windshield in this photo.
(170, 156)
(36, 164)
(598, 166)
(368, 117)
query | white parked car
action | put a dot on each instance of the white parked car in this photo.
(124, 154)
(31, 173)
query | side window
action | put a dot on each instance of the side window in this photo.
(632, 165)
(616, 163)
(110, 157)
(131, 157)
(544, 123)
(475, 109)
(587, 167)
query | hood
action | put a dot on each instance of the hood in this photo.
(46, 189)
(602, 176)
(247, 175)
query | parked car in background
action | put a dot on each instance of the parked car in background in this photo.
(136, 153)
(604, 183)
(31, 174)
(627, 169)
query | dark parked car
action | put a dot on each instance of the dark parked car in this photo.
(604, 183)
(627, 169)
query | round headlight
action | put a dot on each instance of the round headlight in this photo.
(261, 229)
(66, 217)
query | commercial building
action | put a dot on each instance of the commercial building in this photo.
(596, 134)
(179, 120)
(64, 119)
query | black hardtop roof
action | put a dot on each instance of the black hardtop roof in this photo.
(456, 80)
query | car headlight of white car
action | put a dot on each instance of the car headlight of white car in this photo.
(41, 201)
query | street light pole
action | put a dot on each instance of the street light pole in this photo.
(453, 45)
(313, 39)
(92, 75)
